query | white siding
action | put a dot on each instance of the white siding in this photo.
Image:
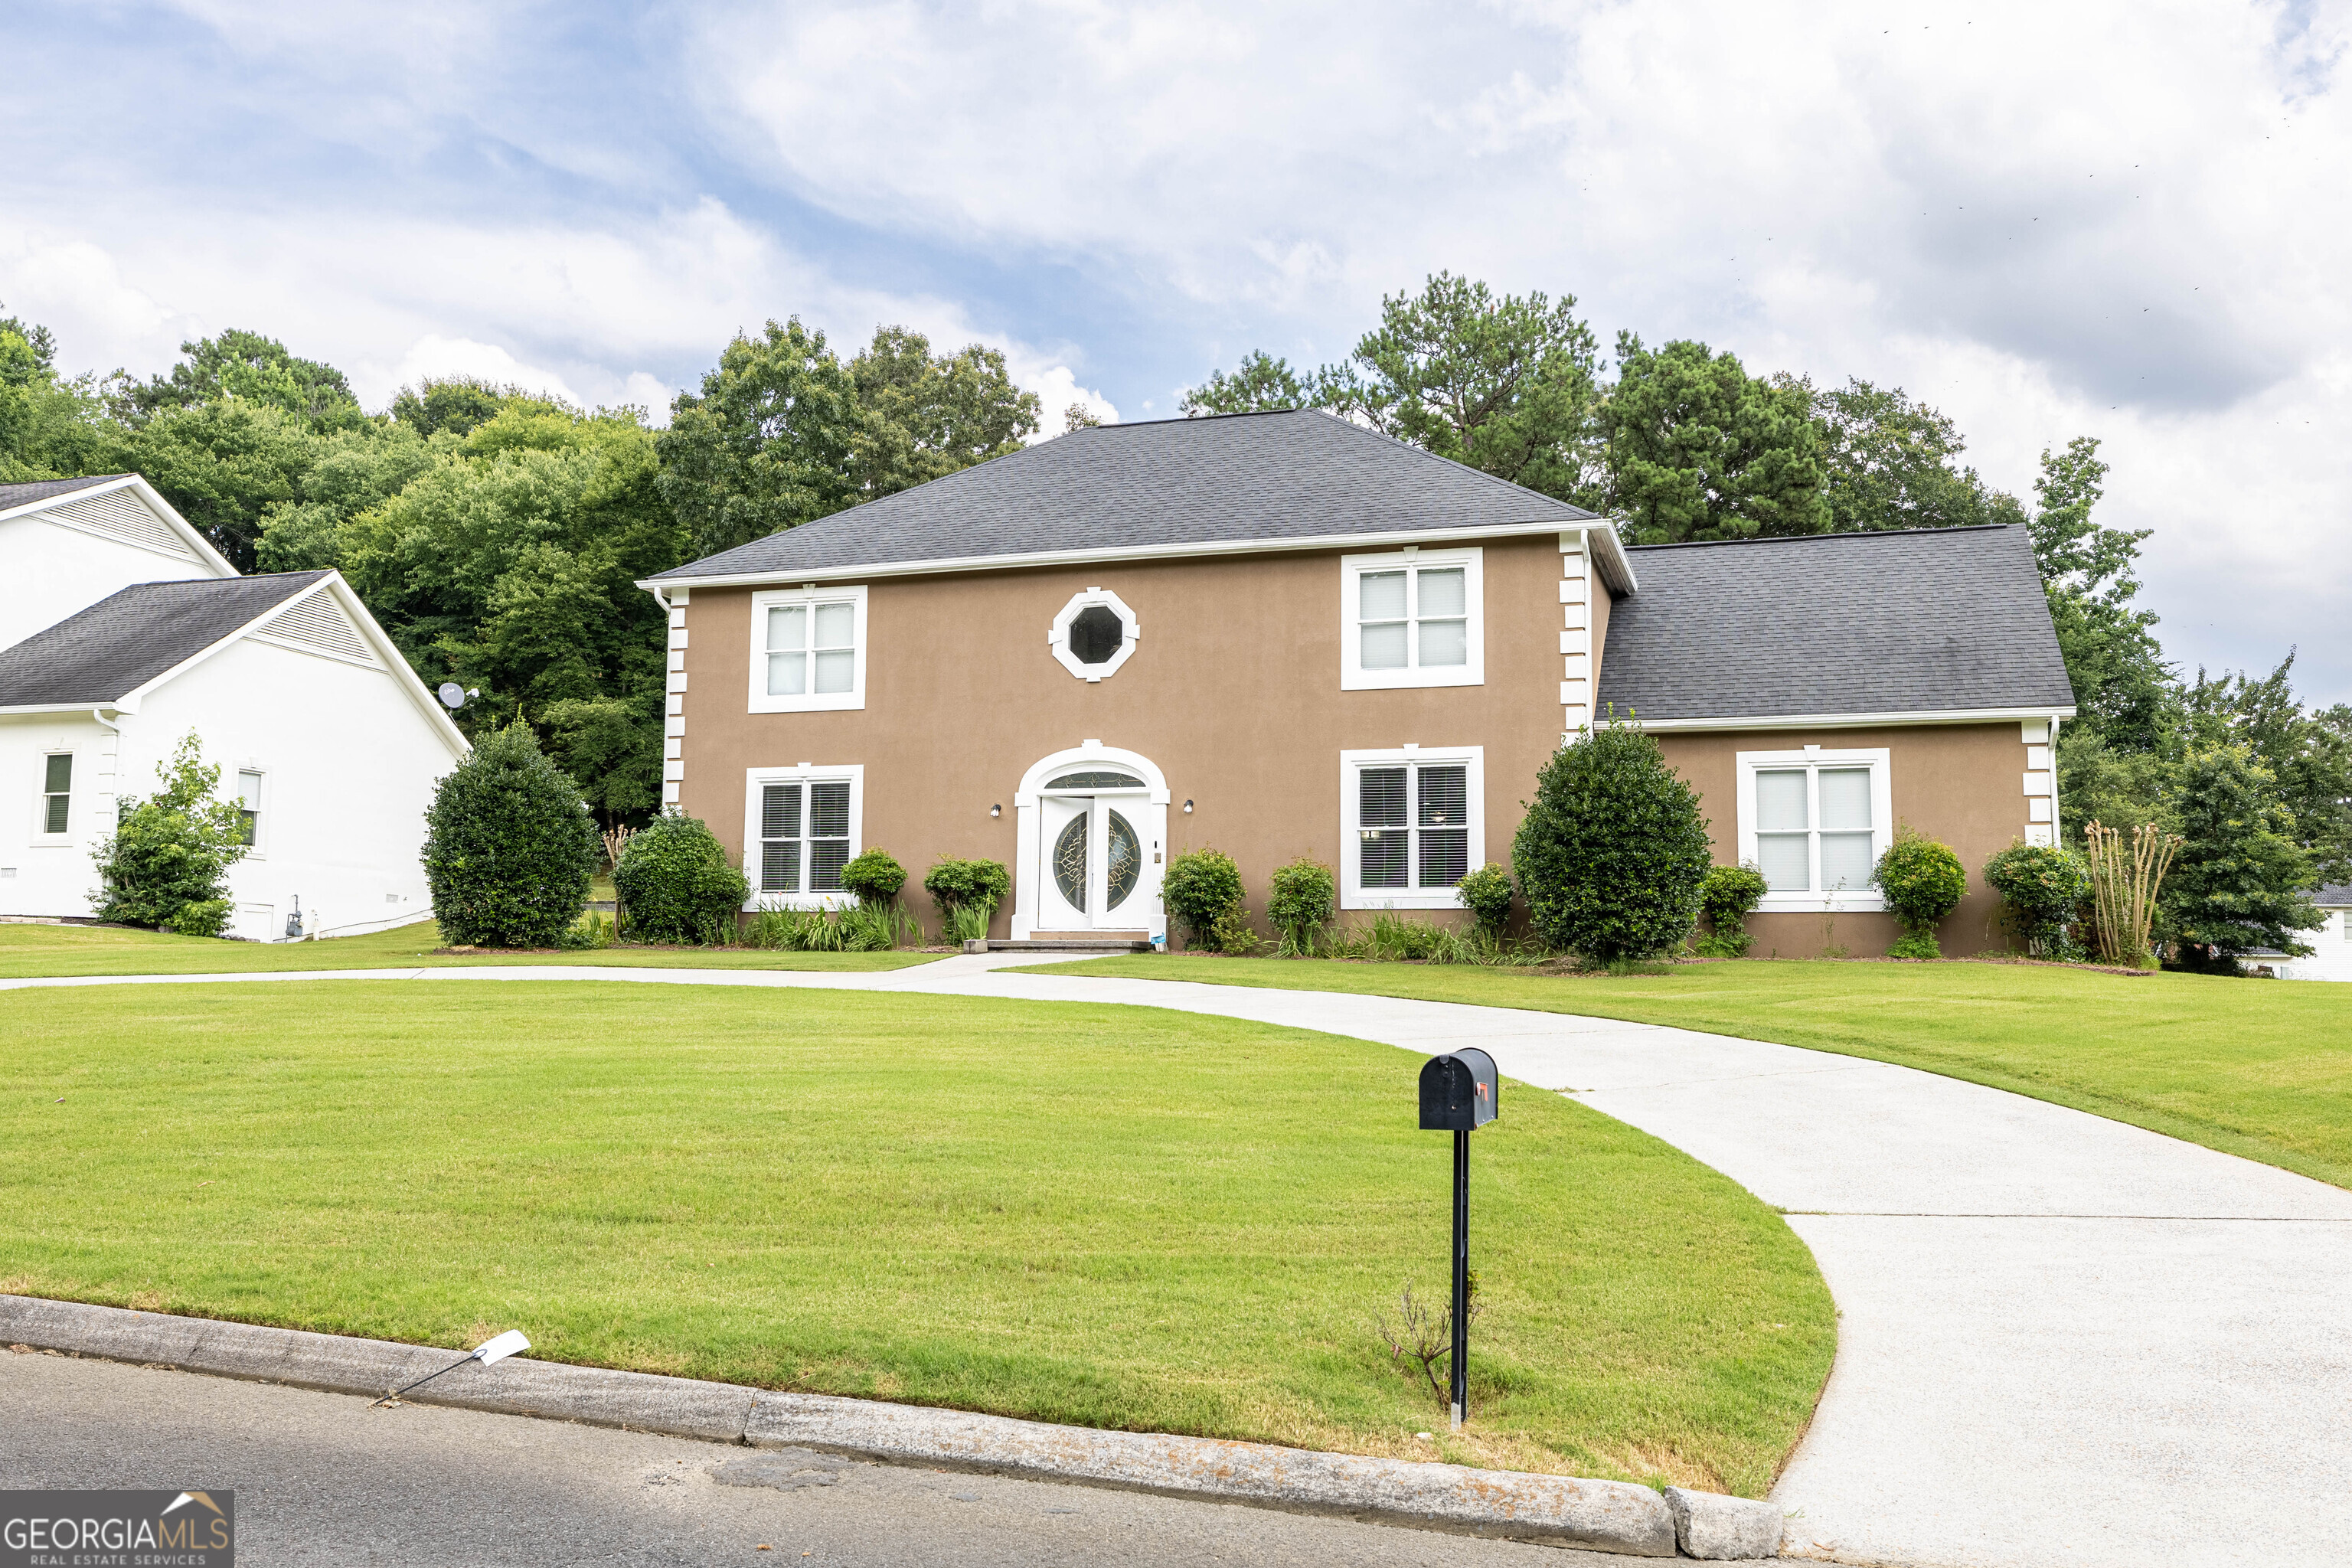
(54, 571)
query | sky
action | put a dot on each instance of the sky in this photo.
(2131, 221)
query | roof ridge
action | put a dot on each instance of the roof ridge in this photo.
(1815, 538)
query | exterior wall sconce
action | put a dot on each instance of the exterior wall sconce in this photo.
(1187, 808)
(996, 811)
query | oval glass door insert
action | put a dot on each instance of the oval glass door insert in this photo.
(1070, 863)
(1125, 852)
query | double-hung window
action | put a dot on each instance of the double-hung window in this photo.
(1815, 823)
(800, 828)
(1411, 619)
(808, 649)
(1412, 825)
(56, 808)
(249, 808)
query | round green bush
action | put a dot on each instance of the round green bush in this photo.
(1486, 894)
(1923, 881)
(1612, 850)
(968, 884)
(2044, 885)
(875, 877)
(1199, 886)
(1728, 895)
(508, 846)
(1301, 900)
(677, 883)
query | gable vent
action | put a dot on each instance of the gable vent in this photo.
(122, 516)
(318, 624)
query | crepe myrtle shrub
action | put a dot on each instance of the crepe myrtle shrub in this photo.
(166, 863)
(1728, 895)
(1486, 894)
(1200, 885)
(676, 882)
(1301, 899)
(508, 845)
(875, 877)
(2043, 884)
(1612, 850)
(1923, 881)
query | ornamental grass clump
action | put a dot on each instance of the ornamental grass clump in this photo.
(1612, 850)
(1303, 897)
(1202, 887)
(2123, 884)
(2044, 885)
(675, 883)
(508, 846)
(1923, 881)
(165, 865)
(1728, 895)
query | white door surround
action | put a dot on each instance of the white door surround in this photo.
(1077, 814)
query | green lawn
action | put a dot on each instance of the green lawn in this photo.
(1109, 1215)
(29, 950)
(2257, 1068)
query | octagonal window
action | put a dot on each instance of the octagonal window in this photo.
(1094, 634)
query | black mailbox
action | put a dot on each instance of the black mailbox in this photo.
(1458, 1091)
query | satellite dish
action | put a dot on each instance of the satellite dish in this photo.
(452, 695)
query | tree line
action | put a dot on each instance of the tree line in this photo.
(498, 533)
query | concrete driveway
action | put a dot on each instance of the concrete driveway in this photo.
(2064, 1340)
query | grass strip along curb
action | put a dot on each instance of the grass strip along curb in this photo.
(1608, 1516)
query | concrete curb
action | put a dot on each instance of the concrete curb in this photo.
(1606, 1516)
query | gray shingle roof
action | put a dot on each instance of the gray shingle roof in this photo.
(14, 496)
(2336, 895)
(126, 639)
(1246, 478)
(1936, 619)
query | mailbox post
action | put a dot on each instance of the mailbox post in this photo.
(1460, 1093)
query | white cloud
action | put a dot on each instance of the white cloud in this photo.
(437, 357)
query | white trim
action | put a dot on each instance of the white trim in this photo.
(1352, 896)
(811, 702)
(1618, 569)
(1859, 720)
(1880, 761)
(205, 554)
(1027, 899)
(1354, 677)
(1057, 633)
(804, 772)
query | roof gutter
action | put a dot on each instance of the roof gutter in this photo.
(1857, 720)
(1615, 569)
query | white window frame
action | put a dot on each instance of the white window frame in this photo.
(757, 779)
(40, 826)
(1354, 677)
(1057, 635)
(810, 595)
(259, 850)
(1353, 895)
(1880, 761)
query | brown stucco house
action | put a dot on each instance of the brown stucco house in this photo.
(1283, 635)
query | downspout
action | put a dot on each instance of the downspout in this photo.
(2057, 837)
(99, 715)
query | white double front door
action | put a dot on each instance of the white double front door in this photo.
(1094, 866)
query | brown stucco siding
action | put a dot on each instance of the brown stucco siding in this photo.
(1234, 693)
(1962, 783)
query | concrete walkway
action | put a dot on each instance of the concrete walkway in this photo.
(2062, 1341)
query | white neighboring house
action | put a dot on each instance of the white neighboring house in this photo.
(2331, 945)
(319, 726)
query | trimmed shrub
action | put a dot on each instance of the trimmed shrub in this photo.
(2041, 885)
(1301, 901)
(874, 877)
(508, 846)
(166, 863)
(1612, 850)
(957, 885)
(1486, 894)
(1199, 886)
(1728, 895)
(1923, 881)
(1231, 933)
(677, 883)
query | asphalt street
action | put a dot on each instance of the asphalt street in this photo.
(324, 1478)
